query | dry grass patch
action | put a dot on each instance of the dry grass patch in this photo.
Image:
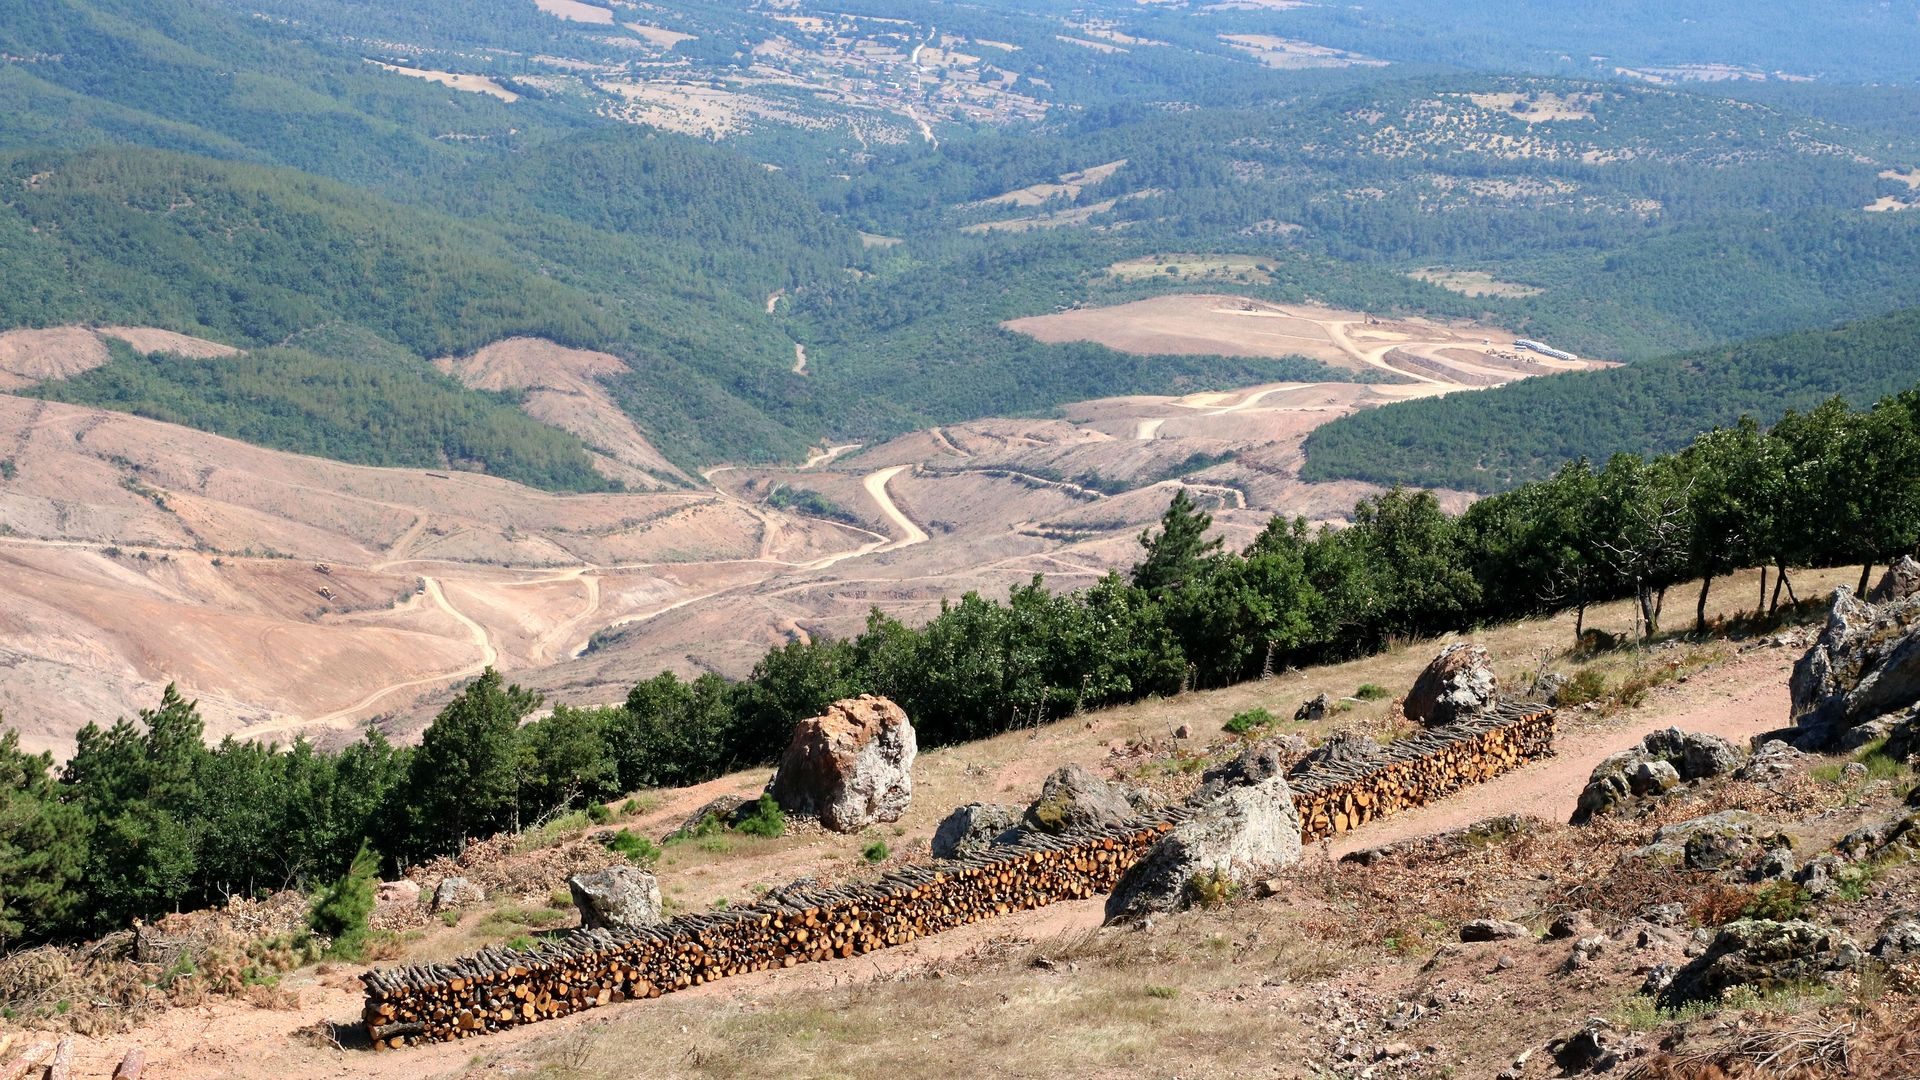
(1473, 283)
(1241, 268)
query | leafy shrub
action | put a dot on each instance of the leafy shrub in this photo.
(1779, 901)
(1164, 993)
(1370, 692)
(876, 852)
(1211, 888)
(1587, 684)
(765, 820)
(340, 911)
(1249, 721)
(599, 813)
(632, 846)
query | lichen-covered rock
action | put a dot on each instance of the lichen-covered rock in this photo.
(1763, 954)
(1901, 581)
(1696, 754)
(1314, 709)
(1865, 663)
(1458, 685)
(1074, 798)
(975, 827)
(1342, 748)
(851, 767)
(1662, 759)
(1771, 761)
(1249, 833)
(455, 892)
(1712, 842)
(1901, 940)
(1270, 757)
(619, 897)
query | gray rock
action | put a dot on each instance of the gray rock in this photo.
(1865, 663)
(1902, 580)
(1547, 686)
(455, 892)
(1712, 842)
(1653, 778)
(1074, 798)
(1313, 709)
(852, 766)
(1342, 748)
(975, 827)
(1594, 1048)
(1645, 770)
(1254, 764)
(1902, 939)
(1459, 684)
(1493, 930)
(617, 898)
(1855, 738)
(1658, 979)
(1665, 914)
(1771, 761)
(1696, 754)
(1249, 833)
(1762, 954)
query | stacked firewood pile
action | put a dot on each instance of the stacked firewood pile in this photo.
(1415, 771)
(501, 988)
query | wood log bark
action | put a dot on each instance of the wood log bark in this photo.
(131, 1065)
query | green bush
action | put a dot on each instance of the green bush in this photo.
(876, 852)
(765, 820)
(1587, 684)
(1370, 692)
(340, 911)
(599, 813)
(1210, 889)
(1249, 721)
(635, 848)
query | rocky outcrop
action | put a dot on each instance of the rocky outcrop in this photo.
(1762, 954)
(1314, 709)
(851, 767)
(1254, 764)
(1866, 662)
(1902, 580)
(1074, 798)
(1713, 842)
(1661, 762)
(1459, 684)
(1246, 834)
(974, 828)
(617, 898)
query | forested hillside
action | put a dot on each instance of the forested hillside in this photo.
(1523, 431)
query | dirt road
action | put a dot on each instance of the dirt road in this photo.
(1736, 700)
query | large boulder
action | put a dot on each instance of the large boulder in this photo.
(1249, 833)
(1865, 662)
(1072, 797)
(1269, 757)
(617, 898)
(974, 828)
(1458, 685)
(1713, 842)
(1762, 954)
(1658, 764)
(851, 767)
(1902, 580)
(455, 892)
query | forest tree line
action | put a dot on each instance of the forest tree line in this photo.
(146, 818)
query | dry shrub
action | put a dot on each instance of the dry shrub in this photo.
(27, 978)
(1719, 903)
